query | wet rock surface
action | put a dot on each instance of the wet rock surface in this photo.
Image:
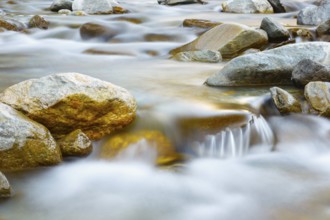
(228, 39)
(308, 70)
(247, 6)
(269, 67)
(75, 144)
(65, 102)
(284, 101)
(90, 31)
(275, 31)
(24, 143)
(38, 21)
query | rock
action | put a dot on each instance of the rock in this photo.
(247, 6)
(308, 70)
(61, 4)
(323, 29)
(64, 12)
(92, 6)
(275, 31)
(277, 6)
(119, 10)
(38, 21)
(11, 24)
(284, 101)
(314, 15)
(270, 67)
(178, 2)
(318, 96)
(141, 144)
(207, 56)
(200, 23)
(153, 37)
(75, 144)
(79, 13)
(228, 39)
(5, 188)
(24, 143)
(65, 102)
(249, 51)
(302, 34)
(94, 30)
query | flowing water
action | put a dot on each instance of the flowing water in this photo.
(241, 166)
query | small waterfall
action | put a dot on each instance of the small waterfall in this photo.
(236, 142)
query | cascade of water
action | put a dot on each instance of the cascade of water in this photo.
(236, 142)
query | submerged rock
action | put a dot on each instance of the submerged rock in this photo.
(275, 31)
(64, 12)
(75, 144)
(269, 67)
(308, 70)
(318, 96)
(247, 6)
(93, 30)
(228, 39)
(58, 5)
(11, 24)
(5, 188)
(38, 21)
(92, 6)
(284, 101)
(65, 102)
(24, 143)
(314, 15)
(141, 145)
(277, 6)
(208, 56)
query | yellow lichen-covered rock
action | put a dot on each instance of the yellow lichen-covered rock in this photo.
(228, 39)
(75, 144)
(5, 188)
(140, 142)
(24, 143)
(65, 102)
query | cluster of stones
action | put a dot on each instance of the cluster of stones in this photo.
(58, 115)
(11, 24)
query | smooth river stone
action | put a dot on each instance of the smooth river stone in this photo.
(270, 67)
(315, 15)
(5, 188)
(65, 102)
(228, 39)
(92, 6)
(24, 143)
(75, 144)
(247, 6)
(275, 31)
(284, 101)
(207, 56)
(318, 96)
(58, 5)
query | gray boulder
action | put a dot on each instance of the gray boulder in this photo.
(92, 6)
(308, 70)
(75, 144)
(318, 96)
(65, 102)
(324, 28)
(270, 67)
(275, 31)
(284, 101)
(247, 6)
(207, 56)
(61, 4)
(5, 188)
(24, 143)
(277, 6)
(314, 15)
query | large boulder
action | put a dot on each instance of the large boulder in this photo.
(141, 144)
(92, 6)
(228, 39)
(275, 31)
(284, 101)
(308, 70)
(61, 4)
(24, 143)
(269, 67)
(65, 102)
(314, 15)
(247, 6)
(318, 96)
(5, 188)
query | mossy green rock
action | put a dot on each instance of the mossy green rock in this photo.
(24, 143)
(228, 39)
(65, 102)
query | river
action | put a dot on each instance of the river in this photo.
(249, 168)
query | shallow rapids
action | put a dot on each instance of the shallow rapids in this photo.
(239, 166)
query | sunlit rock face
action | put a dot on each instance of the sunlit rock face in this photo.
(24, 143)
(228, 39)
(65, 102)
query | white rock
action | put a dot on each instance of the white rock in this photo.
(247, 6)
